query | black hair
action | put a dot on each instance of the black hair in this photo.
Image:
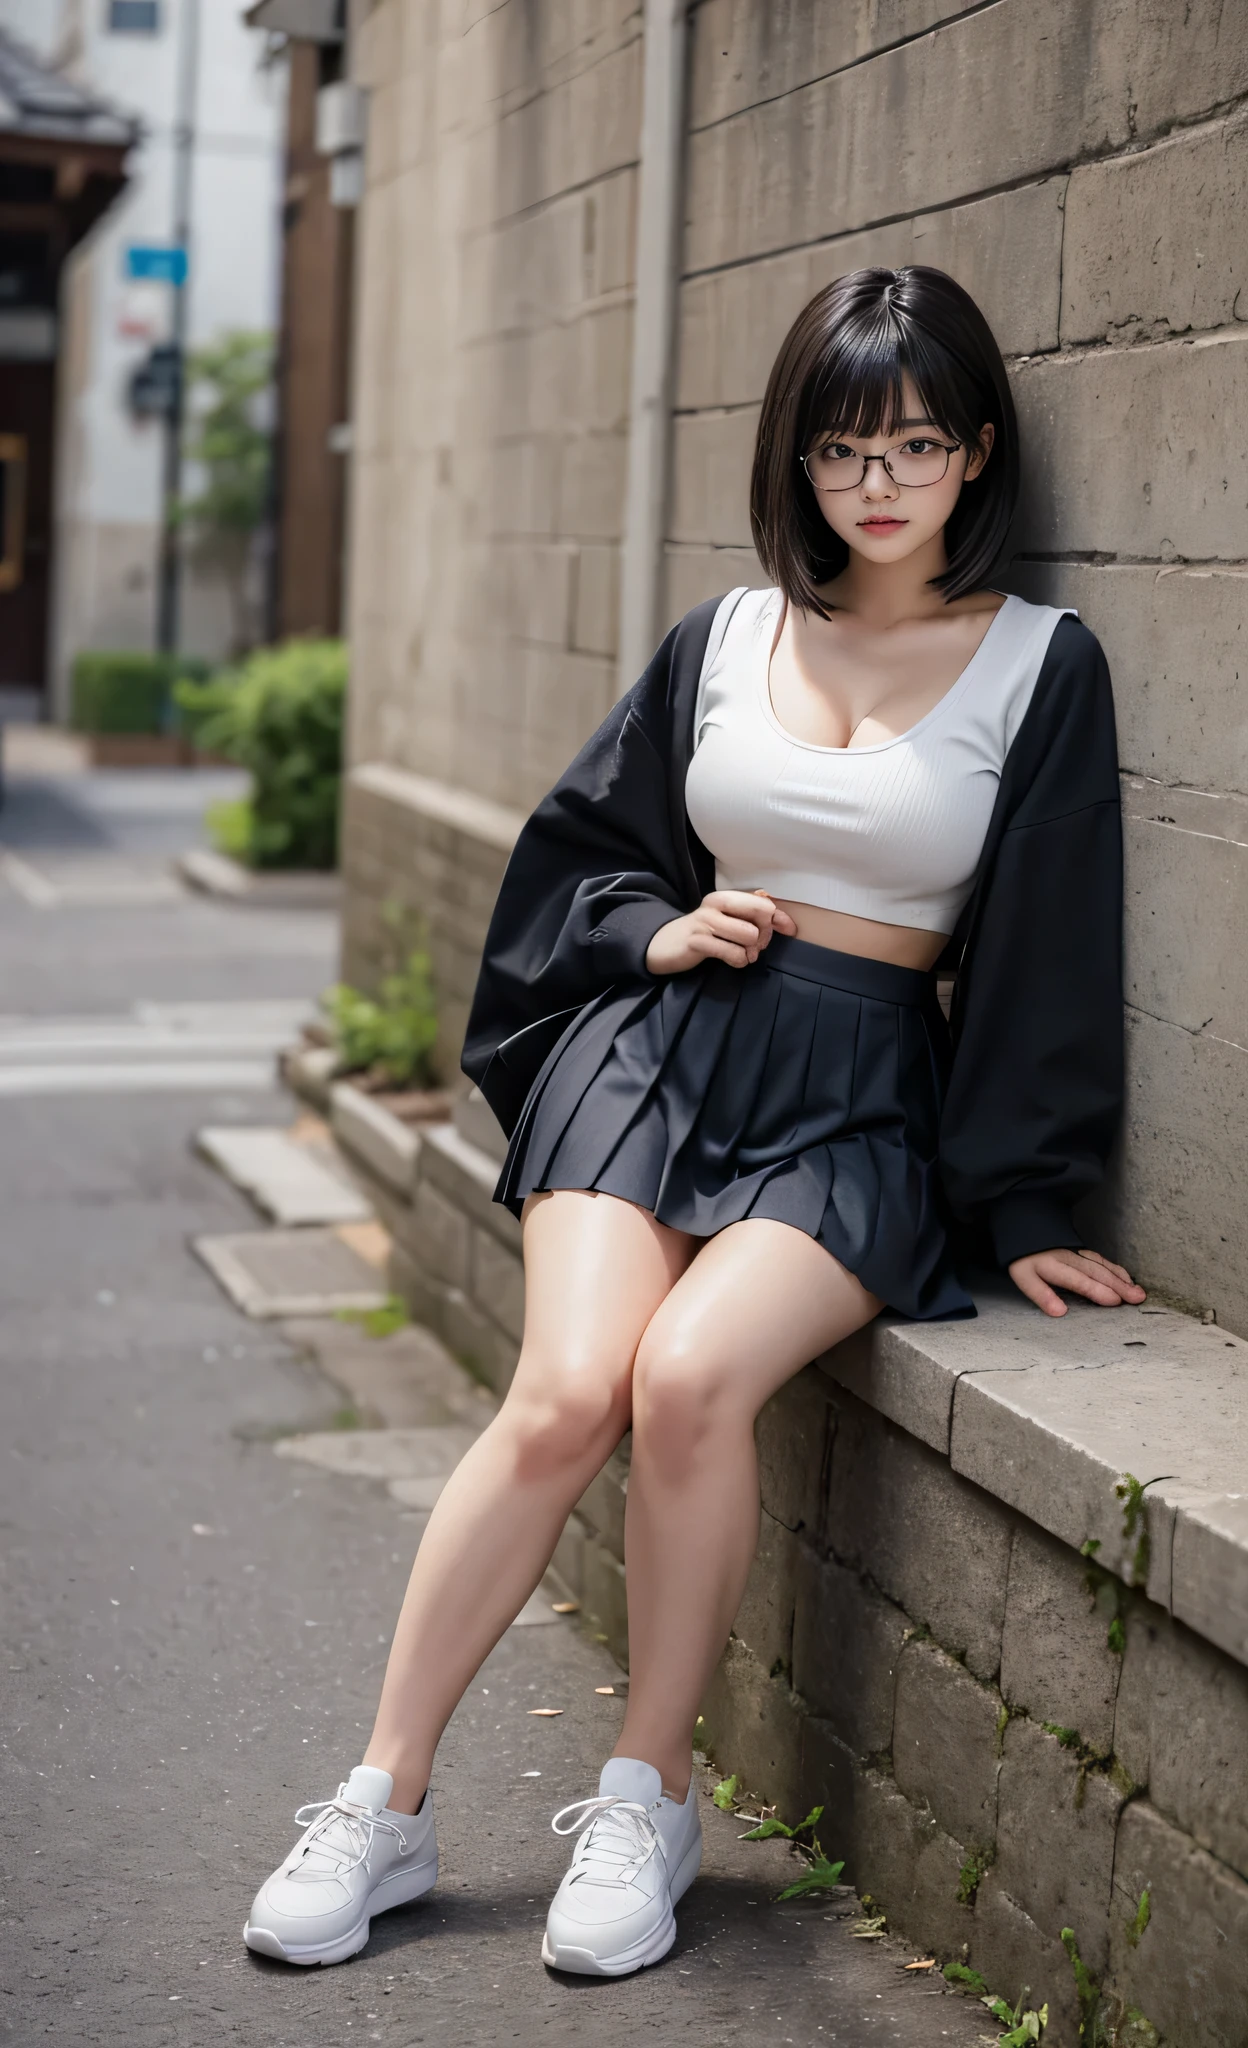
(840, 368)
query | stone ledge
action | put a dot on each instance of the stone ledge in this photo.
(478, 817)
(368, 1131)
(1050, 1415)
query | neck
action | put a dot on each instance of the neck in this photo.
(883, 594)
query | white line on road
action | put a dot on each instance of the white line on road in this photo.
(90, 1079)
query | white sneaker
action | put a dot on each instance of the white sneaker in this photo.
(355, 1859)
(639, 1854)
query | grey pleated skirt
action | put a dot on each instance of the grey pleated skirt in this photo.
(806, 1088)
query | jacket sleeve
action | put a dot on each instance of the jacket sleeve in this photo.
(593, 875)
(1035, 1090)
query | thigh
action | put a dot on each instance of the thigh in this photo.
(595, 1270)
(756, 1304)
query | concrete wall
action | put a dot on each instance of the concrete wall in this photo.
(1079, 165)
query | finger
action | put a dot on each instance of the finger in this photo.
(708, 947)
(1078, 1280)
(1029, 1282)
(1094, 1267)
(740, 903)
(784, 923)
(1119, 1272)
(740, 930)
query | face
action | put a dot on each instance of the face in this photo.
(884, 519)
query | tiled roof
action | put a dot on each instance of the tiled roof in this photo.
(36, 101)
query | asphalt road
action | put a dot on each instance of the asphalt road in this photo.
(194, 1629)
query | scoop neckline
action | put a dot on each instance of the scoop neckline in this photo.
(954, 691)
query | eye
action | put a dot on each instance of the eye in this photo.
(921, 444)
(837, 451)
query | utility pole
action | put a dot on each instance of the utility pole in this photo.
(167, 617)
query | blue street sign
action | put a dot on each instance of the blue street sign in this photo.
(156, 265)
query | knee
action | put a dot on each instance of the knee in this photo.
(563, 1417)
(681, 1401)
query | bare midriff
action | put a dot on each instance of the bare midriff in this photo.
(901, 944)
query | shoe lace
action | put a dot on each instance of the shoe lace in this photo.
(341, 1831)
(619, 1840)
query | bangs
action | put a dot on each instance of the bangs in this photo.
(858, 387)
(842, 369)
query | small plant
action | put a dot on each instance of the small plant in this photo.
(1023, 2024)
(725, 1794)
(1143, 1914)
(1116, 1636)
(131, 693)
(771, 1826)
(971, 1875)
(280, 716)
(378, 1322)
(391, 1034)
(818, 1876)
(229, 443)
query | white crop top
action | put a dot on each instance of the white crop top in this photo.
(891, 831)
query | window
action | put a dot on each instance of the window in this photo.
(134, 17)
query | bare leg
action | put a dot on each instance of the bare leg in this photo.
(595, 1271)
(759, 1301)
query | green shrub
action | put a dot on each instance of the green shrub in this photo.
(128, 692)
(279, 714)
(392, 1033)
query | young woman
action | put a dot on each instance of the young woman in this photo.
(740, 1126)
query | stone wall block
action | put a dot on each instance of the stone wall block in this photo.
(741, 52)
(794, 1438)
(1015, 1958)
(498, 1282)
(945, 1743)
(711, 457)
(595, 617)
(765, 1617)
(1096, 485)
(604, 1602)
(1187, 906)
(1055, 1837)
(1176, 1188)
(846, 1646)
(1210, 1568)
(442, 1233)
(1153, 238)
(932, 1541)
(1186, 1970)
(1177, 644)
(905, 1860)
(602, 1503)
(691, 574)
(1006, 250)
(753, 1725)
(1182, 1731)
(1056, 1662)
(477, 1341)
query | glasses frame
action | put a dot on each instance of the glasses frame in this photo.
(835, 490)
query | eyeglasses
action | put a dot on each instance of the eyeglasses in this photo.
(919, 461)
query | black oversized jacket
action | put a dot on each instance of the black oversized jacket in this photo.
(1036, 1083)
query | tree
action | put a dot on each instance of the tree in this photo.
(229, 387)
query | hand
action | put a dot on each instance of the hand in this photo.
(1081, 1272)
(733, 925)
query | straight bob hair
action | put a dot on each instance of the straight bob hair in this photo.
(840, 369)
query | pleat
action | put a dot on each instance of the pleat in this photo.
(725, 1093)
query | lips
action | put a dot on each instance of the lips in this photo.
(882, 525)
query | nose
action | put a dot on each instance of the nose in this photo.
(877, 486)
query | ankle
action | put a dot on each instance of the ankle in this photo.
(411, 1782)
(677, 1775)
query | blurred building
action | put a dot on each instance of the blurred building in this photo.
(63, 154)
(149, 59)
(313, 408)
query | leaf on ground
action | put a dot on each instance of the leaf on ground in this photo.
(769, 1826)
(725, 1794)
(928, 1963)
(565, 1606)
(819, 1876)
(545, 1713)
(870, 1928)
(605, 1691)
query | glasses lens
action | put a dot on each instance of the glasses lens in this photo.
(837, 467)
(919, 461)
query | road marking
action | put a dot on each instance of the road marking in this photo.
(156, 1075)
